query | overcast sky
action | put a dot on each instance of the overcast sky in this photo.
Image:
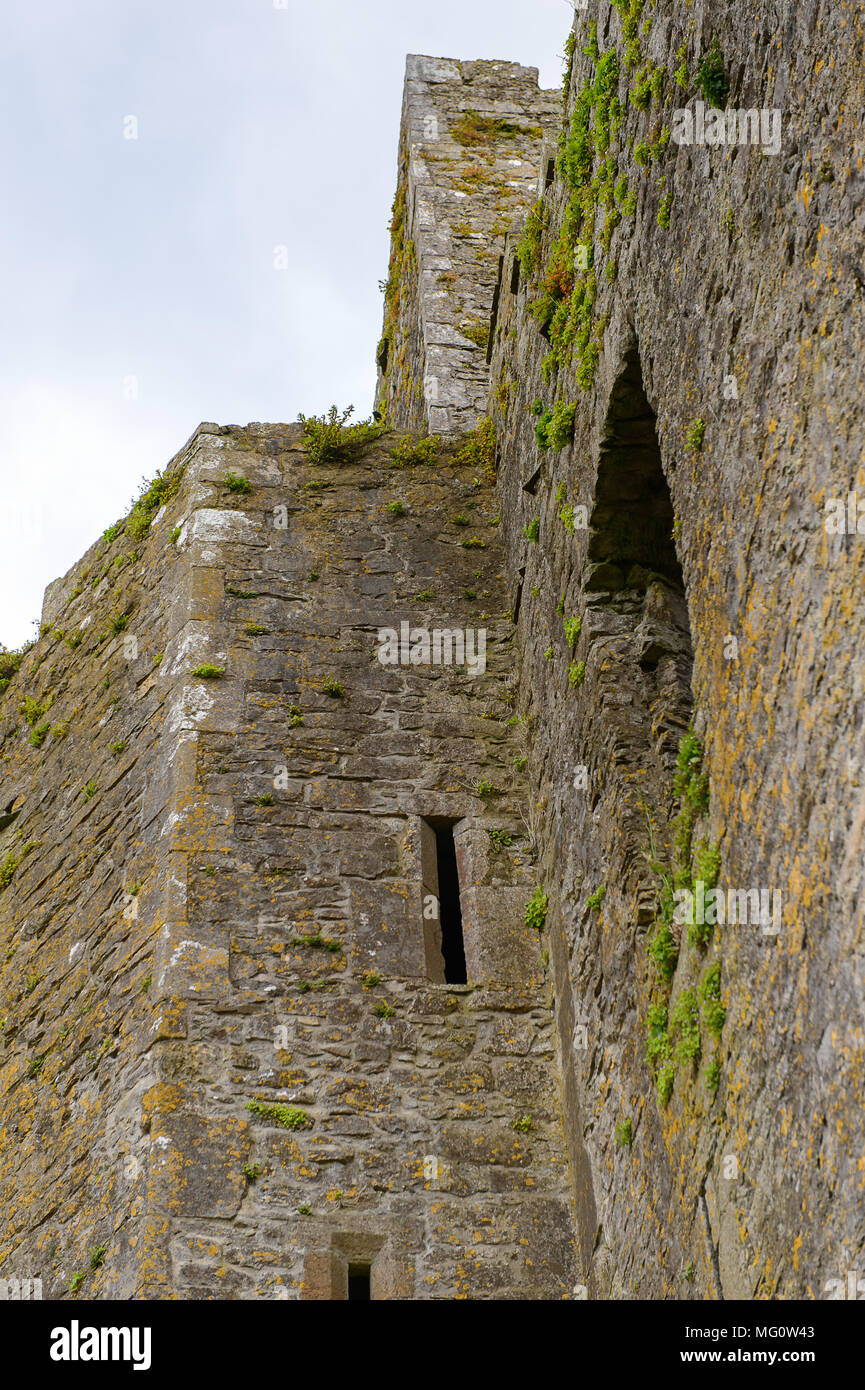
(137, 275)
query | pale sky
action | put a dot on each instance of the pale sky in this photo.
(137, 276)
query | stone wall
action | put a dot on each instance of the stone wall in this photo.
(213, 889)
(276, 952)
(726, 343)
(469, 151)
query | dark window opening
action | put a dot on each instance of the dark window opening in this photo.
(551, 172)
(632, 521)
(359, 1283)
(633, 564)
(515, 275)
(450, 911)
(382, 355)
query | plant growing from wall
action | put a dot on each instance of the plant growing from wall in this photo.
(624, 1133)
(410, 451)
(536, 909)
(479, 449)
(287, 1116)
(155, 494)
(714, 1013)
(694, 435)
(331, 439)
(711, 78)
(237, 484)
(530, 245)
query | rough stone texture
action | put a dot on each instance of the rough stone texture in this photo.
(469, 153)
(745, 313)
(134, 1130)
(759, 276)
(159, 1027)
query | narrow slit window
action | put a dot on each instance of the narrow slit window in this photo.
(359, 1283)
(442, 908)
(450, 910)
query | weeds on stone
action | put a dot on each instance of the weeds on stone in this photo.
(316, 942)
(334, 688)
(624, 1133)
(685, 1022)
(536, 909)
(479, 449)
(714, 1013)
(554, 429)
(711, 78)
(410, 452)
(331, 439)
(155, 495)
(594, 900)
(287, 1116)
(237, 484)
(472, 129)
(523, 1124)
(383, 1010)
(573, 627)
(500, 839)
(694, 435)
(530, 245)
(207, 672)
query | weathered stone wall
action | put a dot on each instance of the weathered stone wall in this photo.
(277, 953)
(469, 151)
(744, 314)
(87, 783)
(680, 326)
